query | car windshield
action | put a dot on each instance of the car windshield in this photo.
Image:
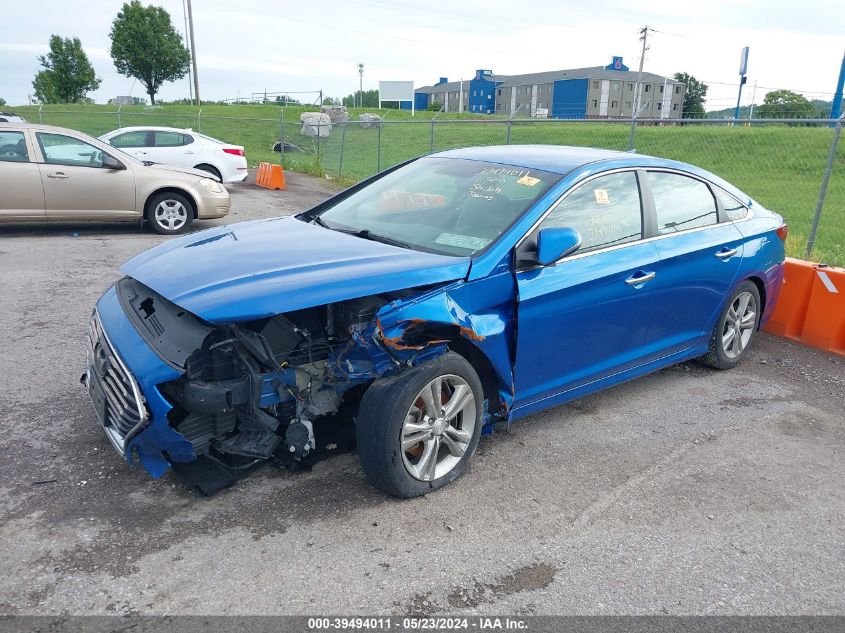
(440, 205)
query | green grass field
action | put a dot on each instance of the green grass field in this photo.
(780, 166)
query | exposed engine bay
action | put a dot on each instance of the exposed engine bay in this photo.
(283, 388)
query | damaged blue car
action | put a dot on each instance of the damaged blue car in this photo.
(413, 312)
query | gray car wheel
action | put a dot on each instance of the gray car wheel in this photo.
(735, 328)
(170, 213)
(417, 431)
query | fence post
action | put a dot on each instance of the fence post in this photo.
(508, 134)
(40, 121)
(831, 158)
(378, 149)
(319, 131)
(118, 116)
(342, 144)
(281, 134)
(431, 137)
(199, 121)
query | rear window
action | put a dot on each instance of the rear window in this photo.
(13, 147)
(734, 209)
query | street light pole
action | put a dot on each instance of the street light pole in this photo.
(193, 53)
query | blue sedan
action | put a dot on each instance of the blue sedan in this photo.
(413, 312)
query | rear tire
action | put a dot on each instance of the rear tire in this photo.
(169, 213)
(735, 329)
(408, 448)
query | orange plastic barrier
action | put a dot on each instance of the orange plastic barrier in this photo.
(270, 176)
(791, 308)
(824, 325)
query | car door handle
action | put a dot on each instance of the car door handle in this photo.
(58, 174)
(640, 277)
(190, 152)
(726, 253)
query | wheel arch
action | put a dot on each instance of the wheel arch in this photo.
(178, 190)
(761, 288)
(214, 167)
(483, 366)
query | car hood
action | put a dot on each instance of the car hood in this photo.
(251, 270)
(181, 170)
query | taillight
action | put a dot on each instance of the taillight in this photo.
(782, 231)
(234, 151)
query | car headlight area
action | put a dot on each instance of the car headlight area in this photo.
(212, 186)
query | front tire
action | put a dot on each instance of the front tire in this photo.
(170, 213)
(416, 432)
(735, 329)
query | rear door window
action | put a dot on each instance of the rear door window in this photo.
(172, 139)
(606, 211)
(681, 202)
(13, 147)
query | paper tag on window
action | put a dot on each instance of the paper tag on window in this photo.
(601, 196)
(528, 181)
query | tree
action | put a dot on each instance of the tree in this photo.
(67, 74)
(2, 102)
(694, 95)
(785, 104)
(354, 100)
(145, 46)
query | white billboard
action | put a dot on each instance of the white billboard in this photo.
(396, 91)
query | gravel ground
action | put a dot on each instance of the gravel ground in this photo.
(686, 492)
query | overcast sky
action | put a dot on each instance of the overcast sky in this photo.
(246, 46)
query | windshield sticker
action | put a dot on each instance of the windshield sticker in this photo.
(601, 196)
(462, 241)
(528, 181)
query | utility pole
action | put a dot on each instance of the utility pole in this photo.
(753, 96)
(361, 85)
(190, 79)
(836, 106)
(635, 103)
(193, 53)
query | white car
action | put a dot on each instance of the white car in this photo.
(182, 148)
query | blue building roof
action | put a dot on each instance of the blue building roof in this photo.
(557, 159)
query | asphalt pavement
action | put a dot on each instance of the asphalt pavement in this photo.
(690, 491)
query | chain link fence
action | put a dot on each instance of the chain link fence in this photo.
(794, 167)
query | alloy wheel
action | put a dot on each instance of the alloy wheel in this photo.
(438, 427)
(171, 214)
(740, 322)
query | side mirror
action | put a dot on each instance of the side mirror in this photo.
(110, 162)
(556, 242)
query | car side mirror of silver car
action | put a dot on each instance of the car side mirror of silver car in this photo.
(110, 162)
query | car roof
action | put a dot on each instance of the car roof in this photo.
(557, 159)
(151, 128)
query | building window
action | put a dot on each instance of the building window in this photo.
(595, 84)
(614, 104)
(614, 85)
(648, 88)
(629, 87)
(595, 103)
(481, 92)
(677, 90)
(659, 105)
(661, 88)
(627, 104)
(498, 107)
(499, 92)
(489, 97)
(675, 107)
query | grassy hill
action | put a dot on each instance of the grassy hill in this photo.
(778, 165)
